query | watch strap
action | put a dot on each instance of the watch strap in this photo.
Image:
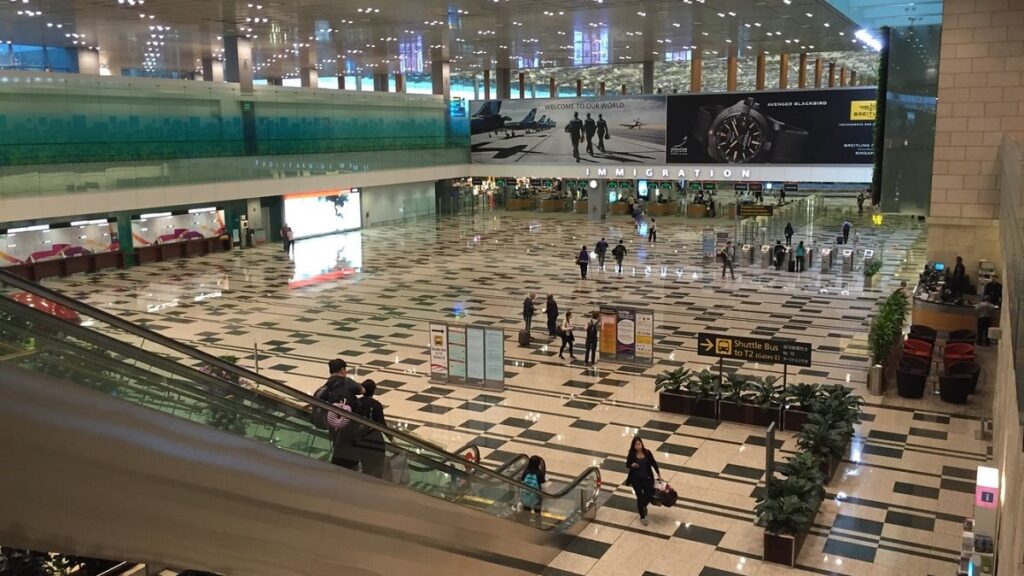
(788, 143)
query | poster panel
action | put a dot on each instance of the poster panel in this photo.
(456, 352)
(833, 126)
(38, 243)
(645, 335)
(606, 341)
(620, 130)
(625, 335)
(323, 212)
(475, 353)
(438, 351)
(494, 356)
(708, 242)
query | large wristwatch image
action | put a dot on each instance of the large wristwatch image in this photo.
(743, 134)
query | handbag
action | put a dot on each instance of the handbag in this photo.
(665, 494)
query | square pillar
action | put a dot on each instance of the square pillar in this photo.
(522, 85)
(88, 61)
(817, 72)
(623, 89)
(802, 75)
(238, 62)
(341, 81)
(552, 87)
(696, 71)
(597, 200)
(761, 63)
(399, 83)
(213, 70)
(732, 70)
(440, 77)
(503, 77)
(600, 89)
(647, 86)
(842, 76)
(853, 77)
(579, 87)
(487, 84)
(307, 67)
(783, 71)
(831, 74)
(380, 82)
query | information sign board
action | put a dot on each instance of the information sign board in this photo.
(754, 349)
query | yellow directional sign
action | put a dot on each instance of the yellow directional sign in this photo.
(754, 349)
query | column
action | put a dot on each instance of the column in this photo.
(380, 81)
(783, 71)
(623, 90)
(853, 77)
(522, 85)
(579, 88)
(238, 62)
(341, 81)
(597, 200)
(399, 83)
(552, 87)
(213, 69)
(440, 75)
(487, 84)
(761, 63)
(600, 89)
(831, 74)
(647, 86)
(817, 72)
(503, 77)
(732, 70)
(275, 81)
(307, 67)
(359, 81)
(696, 70)
(88, 61)
(802, 75)
(842, 76)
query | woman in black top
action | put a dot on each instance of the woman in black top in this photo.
(551, 308)
(371, 447)
(642, 470)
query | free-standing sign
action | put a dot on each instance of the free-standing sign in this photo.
(708, 242)
(494, 356)
(645, 335)
(438, 351)
(752, 210)
(470, 355)
(456, 352)
(475, 353)
(754, 349)
(606, 343)
(625, 335)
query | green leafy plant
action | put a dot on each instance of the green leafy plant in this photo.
(705, 384)
(803, 396)
(841, 407)
(762, 392)
(786, 507)
(732, 387)
(873, 266)
(805, 466)
(822, 438)
(672, 380)
(886, 327)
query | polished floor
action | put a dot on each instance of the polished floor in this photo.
(897, 504)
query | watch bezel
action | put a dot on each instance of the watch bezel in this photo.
(746, 107)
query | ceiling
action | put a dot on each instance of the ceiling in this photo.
(378, 36)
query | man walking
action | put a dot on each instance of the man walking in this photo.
(860, 203)
(590, 354)
(985, 311)
(847, 226)
(602, 132)
(619, 253)
(528, 311)
(789, 233)
(575, 130)
(728, 257)
(601, 250)
(590, 128)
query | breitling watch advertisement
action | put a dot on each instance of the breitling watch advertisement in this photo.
(832, 126)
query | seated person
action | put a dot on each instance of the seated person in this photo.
(994, 291)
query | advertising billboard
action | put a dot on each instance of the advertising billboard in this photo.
(322, 212)
(781, 127)
(164, 227)
(609, 130)
(38, 243)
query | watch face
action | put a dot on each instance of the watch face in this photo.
(738, 138)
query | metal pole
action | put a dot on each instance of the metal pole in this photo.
(785, 373)
(769, 455)
(720, 361)
(256, 356)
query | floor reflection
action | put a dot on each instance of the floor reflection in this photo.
(326, 258)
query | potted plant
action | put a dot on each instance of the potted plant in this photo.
(871, 268)
(730, 408)
(683, 392)
(787, 508)
(762, 393)
(798, 402)
(825, 440)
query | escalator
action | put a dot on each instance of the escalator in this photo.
(119, 442)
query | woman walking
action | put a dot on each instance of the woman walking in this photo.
(567, 336)
(534, 476)
(551, 309)
(800, 253)
(642, 470)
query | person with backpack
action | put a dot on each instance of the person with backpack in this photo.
(534, 476)
(593, 328)
(583, 260)
(642, 469)
(337, 388)
(619, 253)
(601, 249)
(789, 233)
(371, 445)
(779, 253)
(847, 227)
(551, 309)
(801, 252)
(565, 331)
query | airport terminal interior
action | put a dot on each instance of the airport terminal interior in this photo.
(789, 232)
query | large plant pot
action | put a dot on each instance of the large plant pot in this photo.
(688, 404)
(782, 548)
(869, 281)
(748, 414)
(828, 468)
(793, 420)
(876, 380)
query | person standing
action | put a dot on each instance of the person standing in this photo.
(789, 233)
(528, 311)
(800, 253)
(619, 252)
(847, 227)
(782, 196)
(652, 232)
(711, 208)
(575, 131)
(602, 131)
(590, 128)
(286, 237)
(590, 352)
(534, 476)
(986, 311)
(642, 470)
(583, 260)
(601, 249)
(780, 254)
(728, 257)
(371, 445)
(568, 338)
(860, 203)
(551, 309)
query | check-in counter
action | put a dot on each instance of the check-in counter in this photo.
(620, 208)
(552, 205)
(662, 209)
(67, 266)
(581, 206)
(519, 204)
(946, 317)
(696, 211)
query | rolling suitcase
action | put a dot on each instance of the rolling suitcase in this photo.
(524, 338)
(792, 266)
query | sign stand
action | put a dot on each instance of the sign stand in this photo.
(469, 355)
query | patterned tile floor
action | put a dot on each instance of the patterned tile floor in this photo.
(899, 498)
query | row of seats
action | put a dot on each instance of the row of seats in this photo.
(960, 372)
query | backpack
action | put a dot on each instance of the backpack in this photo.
(619, 251)
(318, 415)
(529, 498)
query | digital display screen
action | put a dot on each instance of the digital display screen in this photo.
(326, 258)
(641, 189)
(323, 212)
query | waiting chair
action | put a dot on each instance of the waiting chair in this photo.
(918, 348)
(918, 363)
(911, 383)
(922, 332)
(970, 369)
(962, 336)
(957, 352)
(954, 388)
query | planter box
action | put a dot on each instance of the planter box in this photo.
(793, 420)
(782, 548)
(748, 414)
(829, 468)
(688, 404)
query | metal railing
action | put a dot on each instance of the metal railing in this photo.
(1011, 229)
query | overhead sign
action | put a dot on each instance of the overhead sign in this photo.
(740, 187)
(754, 349)
(791, 187)
(752, 210)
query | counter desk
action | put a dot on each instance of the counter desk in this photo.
(946, 317)
(663, 209)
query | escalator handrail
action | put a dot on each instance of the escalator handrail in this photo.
(211, 360)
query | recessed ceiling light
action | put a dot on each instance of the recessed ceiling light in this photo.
(787, 2)
(827, 25)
